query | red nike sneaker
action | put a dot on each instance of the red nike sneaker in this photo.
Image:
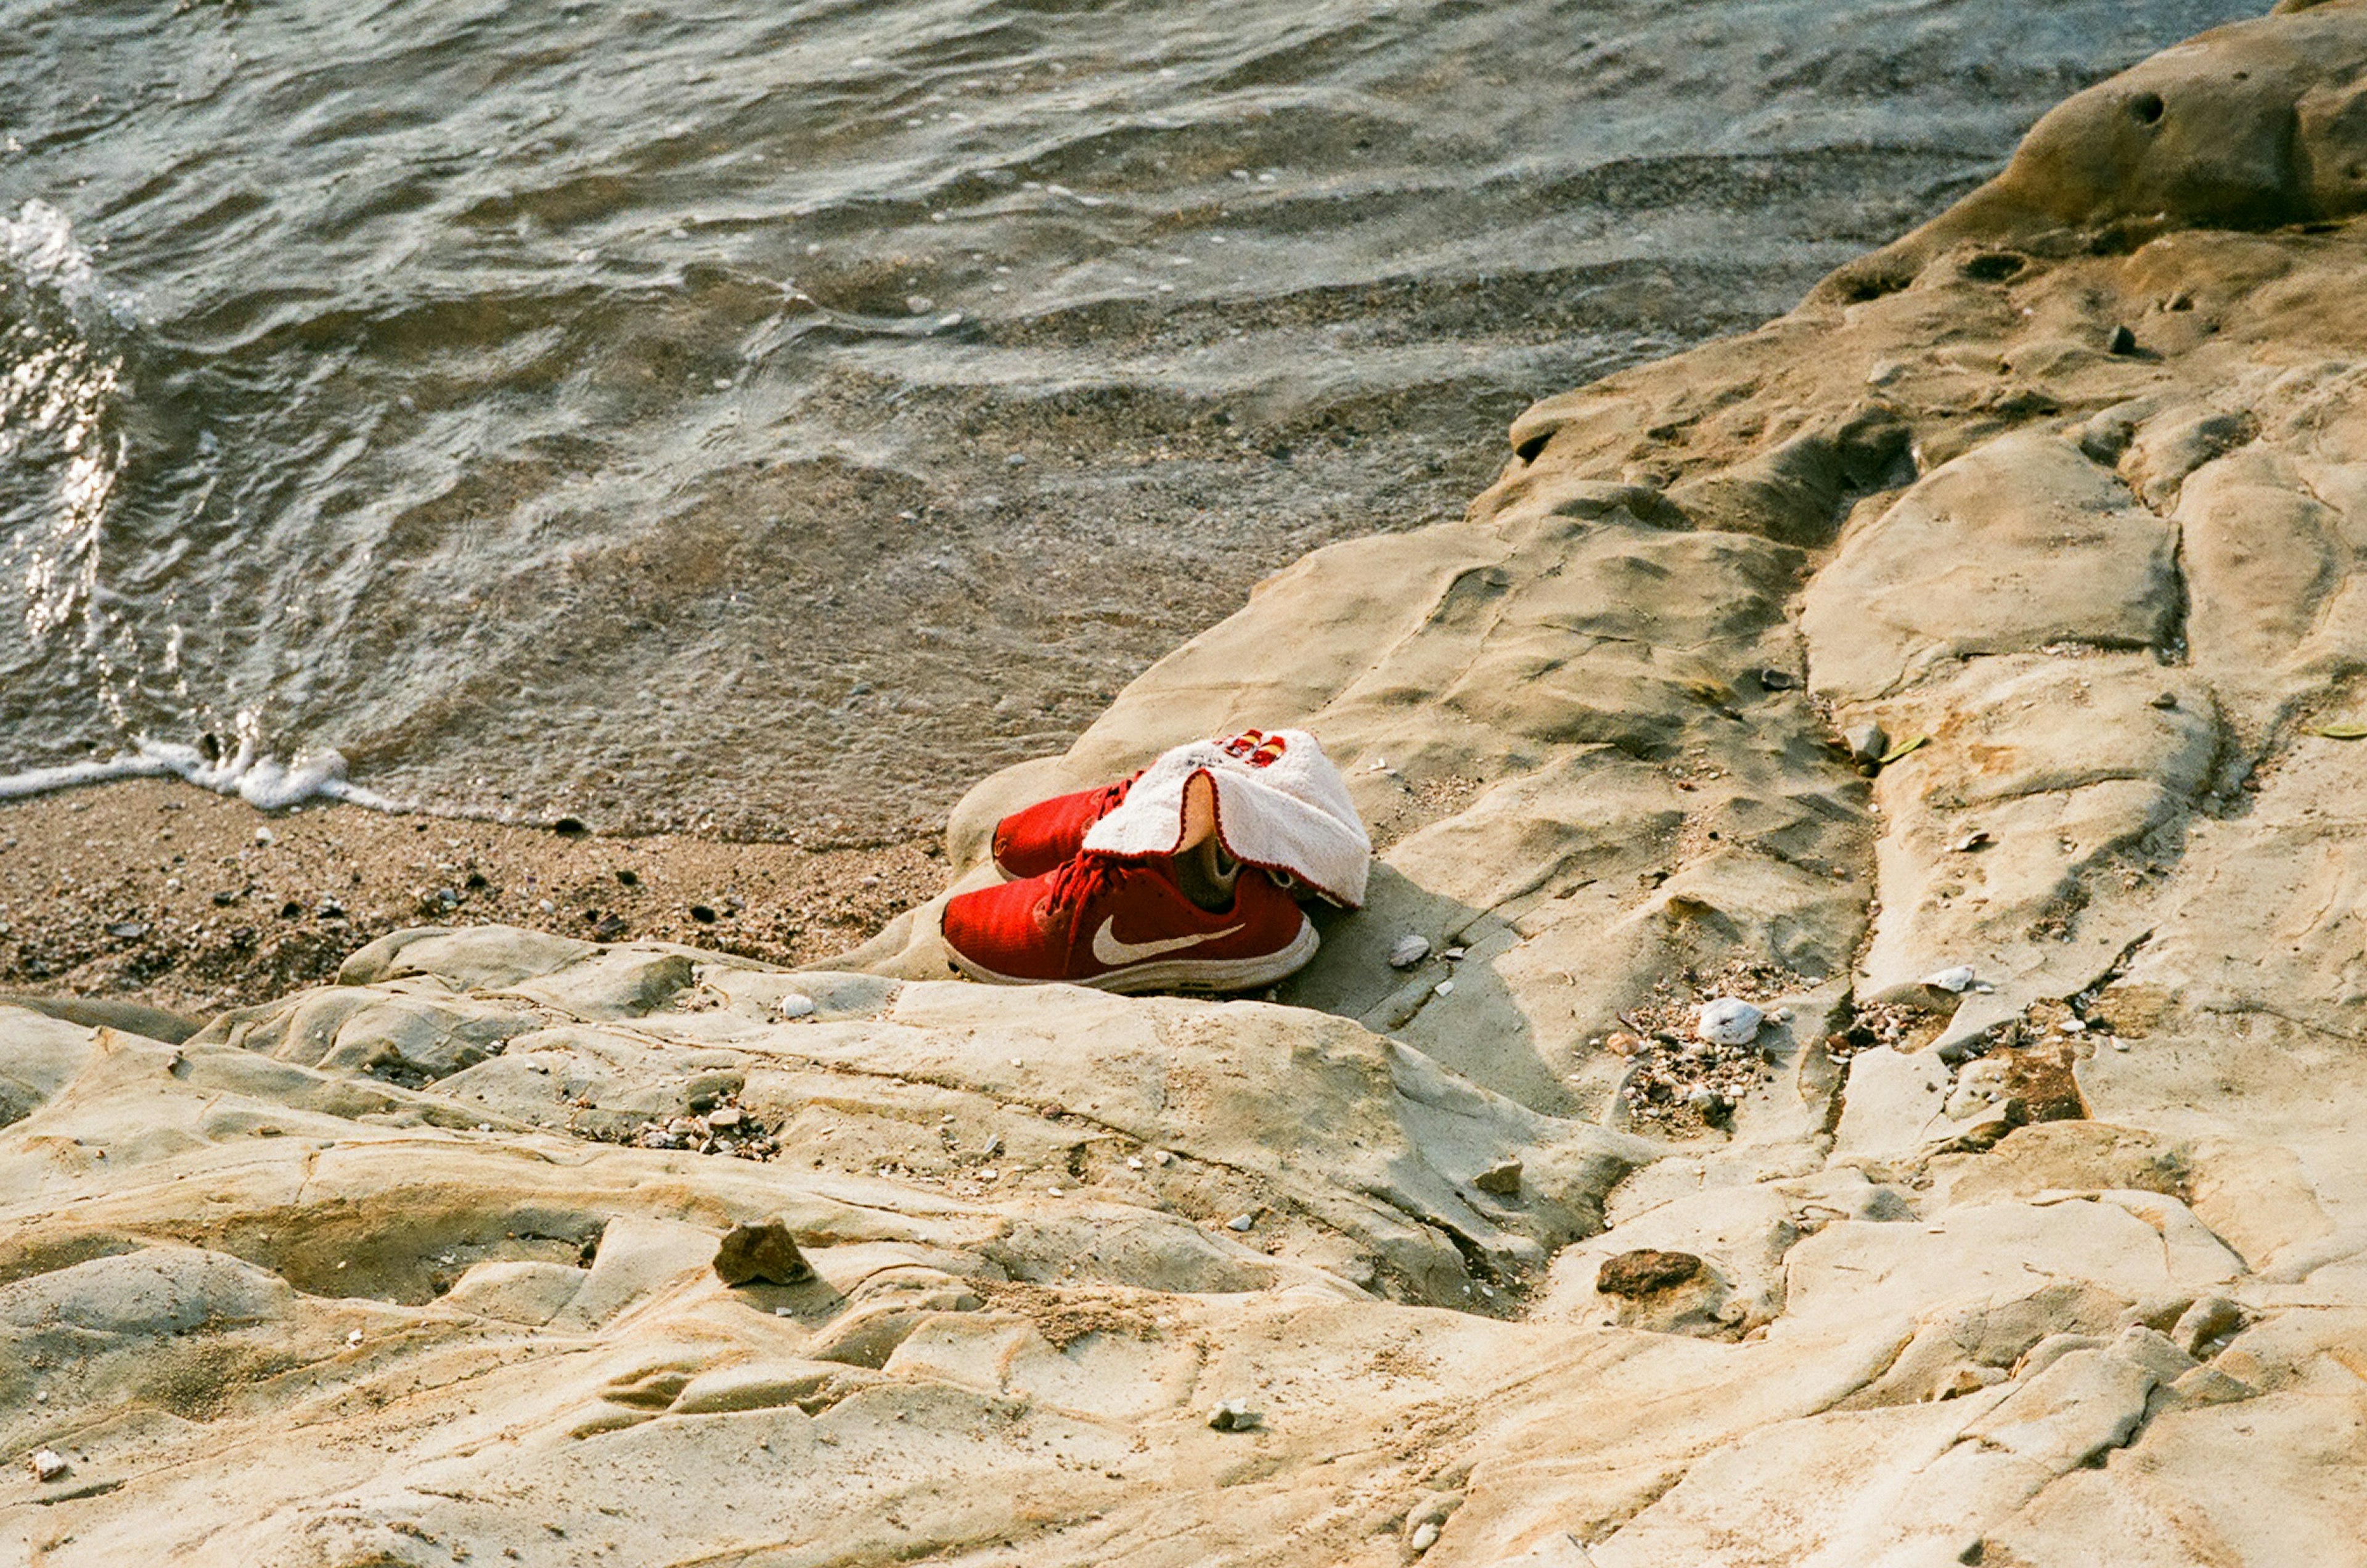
(1122, 924)
(1051, 833)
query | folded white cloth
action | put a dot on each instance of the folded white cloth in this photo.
(1281, 805)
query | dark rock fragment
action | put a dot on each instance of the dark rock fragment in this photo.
(761, 1250)
(1642, 1272)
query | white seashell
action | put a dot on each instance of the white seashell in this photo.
(1958, 980)
(1728, 1020)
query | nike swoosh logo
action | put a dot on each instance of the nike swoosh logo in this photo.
(1108, 950)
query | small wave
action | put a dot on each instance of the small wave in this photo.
(39, 244)
(262, 781)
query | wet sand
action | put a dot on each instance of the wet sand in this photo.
(155, 892)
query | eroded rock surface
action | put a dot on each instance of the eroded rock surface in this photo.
(2064, 1261)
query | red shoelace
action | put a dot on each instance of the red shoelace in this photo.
(1075, 885)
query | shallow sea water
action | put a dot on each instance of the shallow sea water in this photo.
(766, 419)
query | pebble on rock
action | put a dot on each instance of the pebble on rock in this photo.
(1867, 742)
(1425, 1536)
(1240, 1222)
(1235, 1415)
(1728, 1020)
(1410, 950)
(795, 1005)
(1641, 1272)
(48, 1464)
(1503, 1179)
(1958, 980)
(763, 1249)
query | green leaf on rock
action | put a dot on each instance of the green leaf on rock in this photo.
(1903, 747)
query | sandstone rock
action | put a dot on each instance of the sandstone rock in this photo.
(1867, 742)
(2208, 1321)
(1907, 1327)
(1643, 1272)
(1501, 1179)
(761, 1250)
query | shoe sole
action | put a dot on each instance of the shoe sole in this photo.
(1176, 973)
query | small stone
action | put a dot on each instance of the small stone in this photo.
(2166, 701)
(354, 1337)
(723, 1116)
(1619, 1042)
(1728, 1020)
(1956, 980)
(263, 836)
(2123, 341)
(1134, 1162)
(1446, 988)
(1452, 955)
(1241, 1221)
(796, 1004)
(1235, 1415)
(763, 1249)
(1867, 742)
(49, 1464)
(129, 930)
(1410, 950)
(1642, 1272)
(2119, 1045)
(1503, 1179)
(1425, 1537)
(1774, 680)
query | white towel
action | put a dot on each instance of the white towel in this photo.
(1281, 805)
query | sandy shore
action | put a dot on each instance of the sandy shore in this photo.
(155, 892)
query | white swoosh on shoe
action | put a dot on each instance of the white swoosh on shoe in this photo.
(1108, 950)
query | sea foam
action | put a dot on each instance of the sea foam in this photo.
(262, 781)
